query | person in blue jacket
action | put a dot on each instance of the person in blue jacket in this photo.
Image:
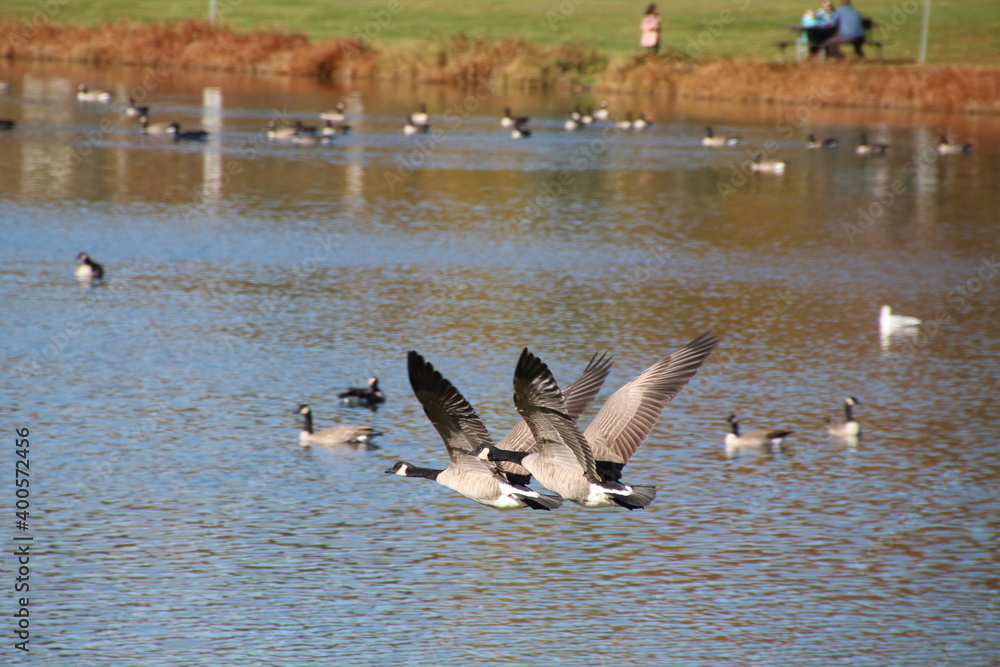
(850, 30)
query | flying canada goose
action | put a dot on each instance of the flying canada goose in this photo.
(88, 269)
(848, 428)
(155, 128)
(7, 124)
(369, 396)
(134, 110)
(602, 112)
(759, 439)
(511, 121)
(762, 166)
(888, 322)
(713, 141)
(421, 117)
(578, 396)
(816, 143)
(332, 435)
(462, 431)
(83, 94)
(586, 467)
(337, 117)
(186, 135)
(945, 147)
(864, 148)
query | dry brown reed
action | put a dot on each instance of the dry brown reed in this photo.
(465, 61)
(969, 89)
(187, 45)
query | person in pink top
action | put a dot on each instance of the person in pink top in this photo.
(650, 30)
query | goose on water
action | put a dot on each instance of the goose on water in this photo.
(332, 435)
(763, 439)
(848, 427)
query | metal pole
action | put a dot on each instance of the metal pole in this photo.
(923, 33)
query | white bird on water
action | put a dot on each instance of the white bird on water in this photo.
(887, 321)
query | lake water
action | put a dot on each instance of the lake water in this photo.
(175, 520)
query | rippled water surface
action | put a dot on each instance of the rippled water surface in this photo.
(176, 520)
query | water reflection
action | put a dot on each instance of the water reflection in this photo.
(182, 518)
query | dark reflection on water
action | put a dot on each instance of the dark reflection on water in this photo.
(178, 521)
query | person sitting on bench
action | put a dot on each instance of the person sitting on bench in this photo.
(850, 30)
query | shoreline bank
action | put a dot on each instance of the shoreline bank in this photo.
(464, 61)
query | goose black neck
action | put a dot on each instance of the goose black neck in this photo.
(497, 454)
(426, 473)
(308, 419)
(847, 412)
(736, 428)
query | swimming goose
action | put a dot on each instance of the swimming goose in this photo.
(155, 128)
(602, 112)
(713, 141)
(945, 147)
(83, 94)
(370, 395)
(864, 148)
(7, 124)
(462, 431)
(311, 139)
(625, 124)
(641, 123)
(88, 268)
(587, 118)
(337, 117)
(186, 135)
(421, 117)
(759, 439)
(887, 321)
(511, 121)
(762, 166)
(276, 133)
(573, 123)
(413, 127)
(848, 428)
(816, 143)
(586, 467)
(332, 435)
(134, 110)
(521, 130)
(331, 128)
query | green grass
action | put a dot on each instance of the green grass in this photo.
(962, 31)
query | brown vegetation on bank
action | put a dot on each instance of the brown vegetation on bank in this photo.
(466, 61)
(187, 45)
(847, 83)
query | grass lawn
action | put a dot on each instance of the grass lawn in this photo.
(962, 31)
